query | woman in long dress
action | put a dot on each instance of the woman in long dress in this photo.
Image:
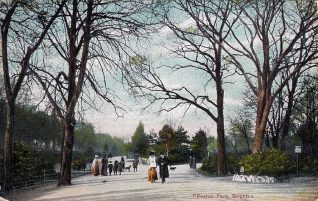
(95, 166)
(152, 172)
(104, 166)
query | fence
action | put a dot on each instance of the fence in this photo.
(39, 178)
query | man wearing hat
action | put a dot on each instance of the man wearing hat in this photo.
(163, 167)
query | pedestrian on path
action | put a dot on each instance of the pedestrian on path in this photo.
(152, 172)
(110, 168)
(115, 167)
(104, 166)
(163, 167)
(135, 164)
(122, 160)
(120, 167)
(95, 166)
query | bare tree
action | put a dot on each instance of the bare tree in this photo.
(282, 109)
(90, 40)
(200, 48)
(272, 36)
(15, 17)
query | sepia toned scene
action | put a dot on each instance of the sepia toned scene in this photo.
(145, 100)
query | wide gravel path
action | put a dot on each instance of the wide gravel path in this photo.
(184, 184)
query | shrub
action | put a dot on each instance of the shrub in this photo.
(178, 155)
(210, 165)
(79, 164)
(28, 165)
(270, 162)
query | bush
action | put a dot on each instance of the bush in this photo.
(179, 155)
(79, 164)
(28, 165)
(270, 162)
(210, 164)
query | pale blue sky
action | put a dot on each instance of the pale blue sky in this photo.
(156, 49)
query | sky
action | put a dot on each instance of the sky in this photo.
(192, 121)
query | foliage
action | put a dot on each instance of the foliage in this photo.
(79, 164)
(212, 144)
(168, 136)
(270, 162)
(116, 145)
(199, 145)
(28, 165)
(181, 136)
(305, 117)
(210, 166)
(179, 154)
(34, 126)
(84, 140)
(139, 141)
(241, 133)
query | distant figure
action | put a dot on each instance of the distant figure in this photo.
(110, 168)
(95, 166)
(122, 160)
(152, 172)
(194, 163)
(104, 166)
(135, 164)
(115, 167)
(190, 161)
(120, 167)
(163, 167)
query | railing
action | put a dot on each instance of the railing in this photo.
(33, 179)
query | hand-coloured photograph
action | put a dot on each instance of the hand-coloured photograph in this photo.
(159, 100)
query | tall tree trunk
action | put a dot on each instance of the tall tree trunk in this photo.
(222, 169)
(8, 144)
(286, 122)
(66, 154)
(264, 105)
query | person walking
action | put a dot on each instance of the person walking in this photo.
(191, 162)
(152, 172)
(104, 166)
(135, 164)
(163, 167)
(120, 167)
(115, 167)
(95, 166)
(110, 168)
(122, 160)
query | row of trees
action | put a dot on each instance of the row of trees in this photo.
(68, 51)
(267, 43)
(175, 142)
(44, 133)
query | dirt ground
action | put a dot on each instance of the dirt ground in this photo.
(183, 184)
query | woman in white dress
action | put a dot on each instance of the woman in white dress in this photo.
(152, 172)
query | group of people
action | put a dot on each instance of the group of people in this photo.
(162, 162)
(108, 168)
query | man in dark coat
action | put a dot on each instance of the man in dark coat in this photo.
(163, 167)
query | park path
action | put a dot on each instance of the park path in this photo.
(184, 184)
